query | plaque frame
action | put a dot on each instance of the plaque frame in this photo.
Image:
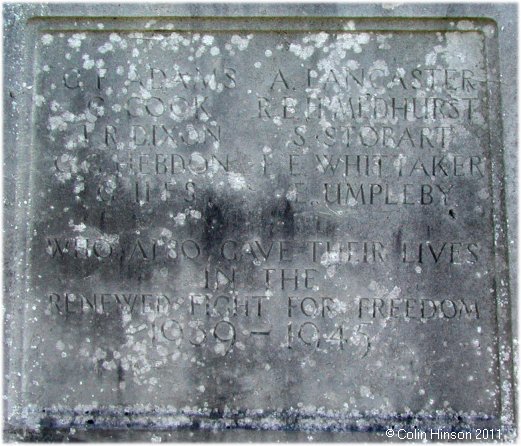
(19, 56)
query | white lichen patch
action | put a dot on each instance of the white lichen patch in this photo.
(241, 42)
(382, 40)
(39, 100)
(365, 392)
(354, 42)
(195, 214)
(379, 291)
(350, 25)
(333, 258)
(236, 181)
(483, 194)
(47, 39)
(391, 5)
(106, 47)
(291, 195)
(180, 219)
(304, 52)
(208, 40)
(115, 38)
(465, 25)
(76, 40)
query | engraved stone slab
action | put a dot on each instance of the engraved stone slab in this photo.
(273, 225)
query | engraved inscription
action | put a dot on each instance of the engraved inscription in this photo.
(312, 209)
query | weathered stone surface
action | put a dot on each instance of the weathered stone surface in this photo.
(291, 224)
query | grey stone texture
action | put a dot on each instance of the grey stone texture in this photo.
(259, 222)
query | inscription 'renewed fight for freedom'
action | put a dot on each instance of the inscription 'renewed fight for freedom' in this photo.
(262, 221)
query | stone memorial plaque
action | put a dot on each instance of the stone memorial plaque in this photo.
(255, 224)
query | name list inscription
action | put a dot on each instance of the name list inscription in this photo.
(221, 192)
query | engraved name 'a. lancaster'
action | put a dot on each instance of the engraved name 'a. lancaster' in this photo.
(419, 78)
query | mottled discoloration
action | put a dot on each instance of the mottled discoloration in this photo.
(242, 226)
